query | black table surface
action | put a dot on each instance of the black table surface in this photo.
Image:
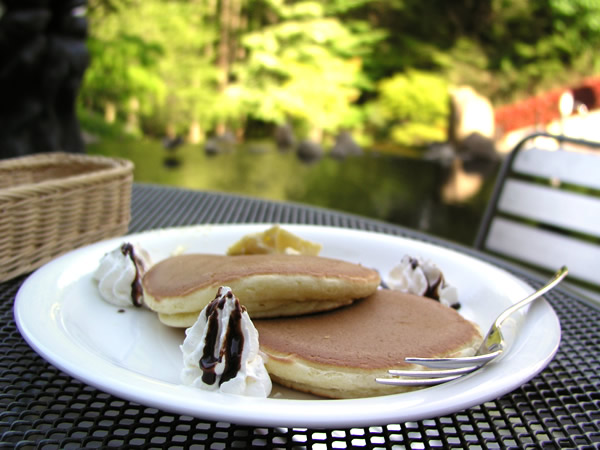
(40, 406)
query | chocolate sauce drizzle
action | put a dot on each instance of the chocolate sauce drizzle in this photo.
(232, 347)
(433, 289)
(137, 292)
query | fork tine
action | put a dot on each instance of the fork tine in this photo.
(432, 373)
(416, 381)
(452, 363)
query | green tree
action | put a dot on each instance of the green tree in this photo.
(304, 66)
(535, 45)
(208, 65)
(158, 52)
(411, 108)
(122, 68)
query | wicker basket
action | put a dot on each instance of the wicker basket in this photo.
(54, 202)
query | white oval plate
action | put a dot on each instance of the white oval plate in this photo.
(132, 355)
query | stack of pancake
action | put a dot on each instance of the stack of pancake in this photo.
(323, 323)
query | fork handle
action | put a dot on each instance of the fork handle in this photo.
(557, 278)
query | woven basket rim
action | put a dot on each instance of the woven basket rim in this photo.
(109, 167)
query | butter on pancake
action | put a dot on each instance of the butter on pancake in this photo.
(274, 240)
(275, 285)
(339, 354)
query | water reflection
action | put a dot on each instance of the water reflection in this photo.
(401, 190)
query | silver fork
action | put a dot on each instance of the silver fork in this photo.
(448, 369)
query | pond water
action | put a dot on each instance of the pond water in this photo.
(400, 190)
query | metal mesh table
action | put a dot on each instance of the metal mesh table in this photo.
(40, 406)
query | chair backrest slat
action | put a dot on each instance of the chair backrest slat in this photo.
(551, 206)
(544, 248)
(576, 167)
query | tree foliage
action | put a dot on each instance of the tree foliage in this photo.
(305, 66)
(380, 66)
(415, 104)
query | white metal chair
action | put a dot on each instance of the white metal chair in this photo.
(545, 209)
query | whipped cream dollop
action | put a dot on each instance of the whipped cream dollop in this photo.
(220, 351)
(422, 277)
(120, 273)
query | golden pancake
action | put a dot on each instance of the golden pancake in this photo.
(339, 354)
(267, 285)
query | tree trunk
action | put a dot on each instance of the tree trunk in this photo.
(224, 44)
(223, 53)
(110, 112)
(133, 122)
(170, 131)
(235, 20)
(195, 134)
(316, 134)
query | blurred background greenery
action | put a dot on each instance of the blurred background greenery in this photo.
(165, 73)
